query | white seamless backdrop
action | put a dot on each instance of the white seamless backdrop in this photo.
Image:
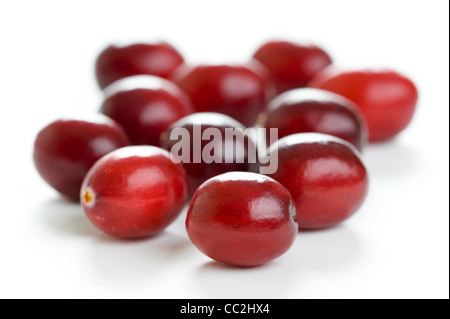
(396, 246)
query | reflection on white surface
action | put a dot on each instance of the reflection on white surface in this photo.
(313, 254)
(65, 219)
(170, 258)
(391, 159)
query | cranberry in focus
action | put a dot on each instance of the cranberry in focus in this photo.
(237, 91)
(386, 98)
(117, 62)
(145, 106)
(242, 219)
(312, 110)
(195, 125)
(325, 175)
(65, 150)
(291, 65)
(134, 192)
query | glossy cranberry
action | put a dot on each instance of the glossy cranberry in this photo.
(242, 219)
(387, 99)
(325, 175)
(237, 91)
(312, 110)
(117, 62)
(134, 192)
(197, 169)
(65, 150)
(292, 65)
(145, 106)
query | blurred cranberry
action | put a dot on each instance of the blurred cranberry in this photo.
(232, 152)
(312, 110)
(325, 176)
(386, 98)
(145, 106)
(239, 91)
(65, 150)
(292, 65)
(242, 219)
(134, 192)
(117, 62)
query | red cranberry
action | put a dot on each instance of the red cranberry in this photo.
(134, 192)
(325, 176)
(117, 62)
(238, 91)
(386, 98)
(197, 169)
(292, 65)
(242, 219)
(65, 150)
(145, 106)
(311, 110)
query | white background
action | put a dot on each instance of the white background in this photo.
(397, 246)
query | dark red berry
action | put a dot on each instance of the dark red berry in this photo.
(239, 91)
(195, 125)
(292, 65)
(117, 62)
(386, 98)
(134, 192)
(325, 175)
(65, 150)
(242, 219)
(145, 106)
(316, 111)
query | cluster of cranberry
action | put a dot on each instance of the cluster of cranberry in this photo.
(324, 118)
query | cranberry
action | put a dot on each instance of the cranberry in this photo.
(238, 91)
(312, 110)
(65, 150)
(198, 170)
(325, 176)
(292, 65)
(134, 192)
(242, 219)
(145, 106)
(386, 98)
(117, 62)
